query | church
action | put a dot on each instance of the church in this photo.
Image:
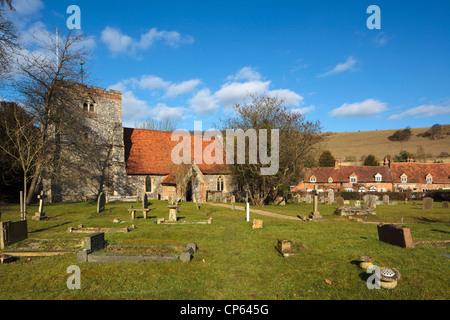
(133, 161)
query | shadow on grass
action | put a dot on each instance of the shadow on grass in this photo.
(441, 231)
(48, 228)
(428, 220)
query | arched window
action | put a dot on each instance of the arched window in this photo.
(220, 183)
(91, 107)
(85, 107)
(312, 179)
(148, 184)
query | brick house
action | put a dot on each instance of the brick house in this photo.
(391, 176)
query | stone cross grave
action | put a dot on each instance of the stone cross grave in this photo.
(101, 202)
(428, 203)
(40, 215)
(315, 214)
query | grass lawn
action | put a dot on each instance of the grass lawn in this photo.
(234, 261)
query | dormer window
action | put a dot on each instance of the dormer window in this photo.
(429, 178)
(313, 179)
(353, 180)
(330, 180)
(404, 178)
(378, 177)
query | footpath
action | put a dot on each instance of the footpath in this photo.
(257, 211)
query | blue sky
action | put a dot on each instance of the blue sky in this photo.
(193, 60)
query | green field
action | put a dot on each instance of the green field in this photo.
(234, 261)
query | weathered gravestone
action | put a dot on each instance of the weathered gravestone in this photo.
(358, 203)
(233, 202)
(40, 215)
(279, 201)
(330, 197)
(145, 201)
(308, 198)
(445, 204)
(385, 199)
(340, 201)
(370, 201)
(101, 202)
(173, 211)
(12, 232)
(397, 236)
(428, 203)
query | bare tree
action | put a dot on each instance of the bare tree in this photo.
(165, 124)
(8, 40)
(298, 140)
(47, 84)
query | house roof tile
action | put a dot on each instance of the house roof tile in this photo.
(149, 152)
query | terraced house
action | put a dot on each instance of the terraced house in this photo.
(391, 176)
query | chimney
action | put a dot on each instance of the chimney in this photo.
(336, 164)
(407, 160)
(390, 162)
(385, 163)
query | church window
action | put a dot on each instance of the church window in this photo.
(220, 183)
(148, 184)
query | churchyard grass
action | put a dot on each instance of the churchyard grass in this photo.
(234, 261)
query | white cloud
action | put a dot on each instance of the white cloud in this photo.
(238, 92)
(289, 97)
(246, 73)
(423, 111)
(115, 40)
(183, 87)
(204, 102)
(304, 110)
(132, 107)
(365, 108)
(119, 43)
(27, 7)
(162, 111)
(340, 67)
(382, 39)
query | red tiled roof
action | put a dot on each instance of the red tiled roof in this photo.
(417, 172)
(342, 174)
(149, 152)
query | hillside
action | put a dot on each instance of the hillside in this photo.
(348, 145)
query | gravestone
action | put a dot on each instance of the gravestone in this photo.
(101, 202)
(145, 201)
(397, 236)
(385, 199)
(40, 215)
(308, 198)
(331, 197)
(358, 203)
(173, 211)
(12, 232)
(445, 204)
(233, 202)
(296, 198)
(366, 198)
(340, 201)
(315, 214)
(428, 203)
(279, 201)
